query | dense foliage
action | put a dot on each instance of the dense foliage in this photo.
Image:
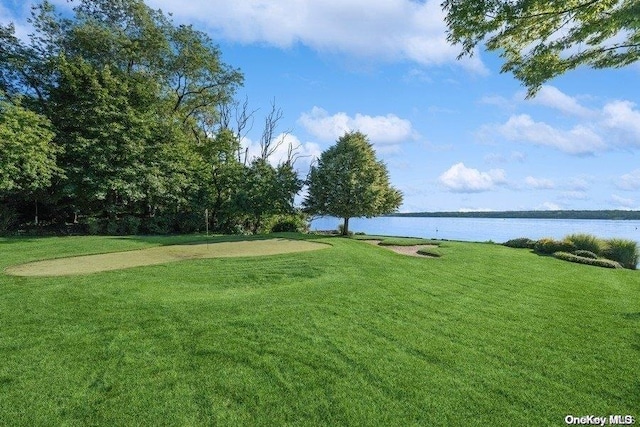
(111, 119)
(585, 249)
(349, 182)
(520, 242)
(598, 262)
(540, 39)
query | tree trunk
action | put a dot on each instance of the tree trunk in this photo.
(345, 227)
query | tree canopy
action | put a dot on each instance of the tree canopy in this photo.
(541, 39)
(126, 111)
(27, 155)
(349, 182)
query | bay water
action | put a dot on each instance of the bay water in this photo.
(497, 230)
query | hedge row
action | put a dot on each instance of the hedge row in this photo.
(599, 262)
(621, 251)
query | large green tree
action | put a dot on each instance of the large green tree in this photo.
(27, 154)
(540, 39)
(267, 190)
(132, 97)
(349, 182)
(27, 159)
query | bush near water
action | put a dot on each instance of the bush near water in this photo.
(585, 249)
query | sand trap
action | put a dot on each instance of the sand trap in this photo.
(403, 250)
(160, 255)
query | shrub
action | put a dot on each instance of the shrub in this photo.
(8, 219)
(111, 226)
(521, 242)
(93, 226)
(341, 229)
(600, 262)
(549, 246)
(129, 225)
(586, 242)
(188, 222)
(585, 254)
(287, 223)
(285, 226)
(158, 224)
(622, 250)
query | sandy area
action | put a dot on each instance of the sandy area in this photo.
(403, 250)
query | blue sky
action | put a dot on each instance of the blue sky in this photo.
(455, 135)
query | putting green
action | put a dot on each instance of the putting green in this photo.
(86, 264)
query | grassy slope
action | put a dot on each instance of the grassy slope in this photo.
(353, 335)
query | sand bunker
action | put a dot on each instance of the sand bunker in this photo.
(403, 250)
(160, 255)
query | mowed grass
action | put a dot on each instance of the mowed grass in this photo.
(351, 335)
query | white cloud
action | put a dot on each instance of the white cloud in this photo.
(389, 129)
(498, 101)
(578, 140)
(461, 179)
(579, 184)
(539, 183)
(629, 181)
(549, 206)
(304, 154)
(550, 96)
(615, 125)
(575, 195)
(620, 118)
(623, 202)
(17, 14)
(390, 30)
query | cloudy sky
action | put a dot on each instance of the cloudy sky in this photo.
(455, 135)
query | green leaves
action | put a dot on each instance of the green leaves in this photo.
(27, 155)
(541, 39)
(349, 182)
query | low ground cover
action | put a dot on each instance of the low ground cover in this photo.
(351, 335)
(584, 249)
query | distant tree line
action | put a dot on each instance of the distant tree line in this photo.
(555, 214)
(119, 121)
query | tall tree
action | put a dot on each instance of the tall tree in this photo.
(349, 182)
(27, 158)
(540, 39)
(27, 154)
(267, 190)
(131, 97)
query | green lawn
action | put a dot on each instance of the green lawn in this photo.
(350, 335)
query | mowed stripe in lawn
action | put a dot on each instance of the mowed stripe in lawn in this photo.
(87, 264)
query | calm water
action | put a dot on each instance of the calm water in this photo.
(484, 229)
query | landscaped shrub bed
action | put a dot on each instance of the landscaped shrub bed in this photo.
(585, 254)
(586, 242)
(549, 246)
(622, 250)
(521, 242)
(599, 262)
(585, 249)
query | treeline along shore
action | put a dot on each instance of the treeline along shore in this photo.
(556, 214)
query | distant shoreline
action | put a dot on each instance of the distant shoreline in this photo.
(559, 214)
